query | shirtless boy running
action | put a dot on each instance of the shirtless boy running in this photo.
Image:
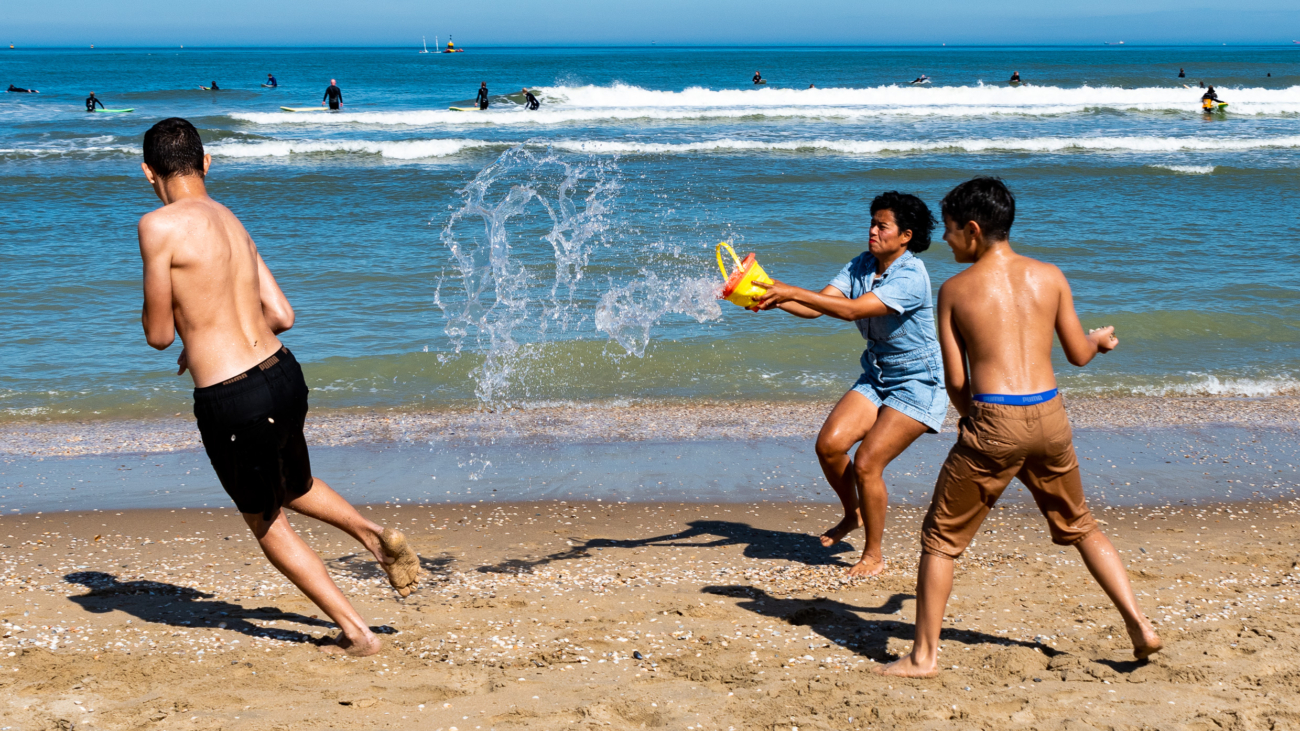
(996, 320)
(204, 279)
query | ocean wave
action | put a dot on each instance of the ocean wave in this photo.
(1187, 169)
(1201, 385)
(397, 149)
(569, 104)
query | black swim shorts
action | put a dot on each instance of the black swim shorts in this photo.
(251, 426)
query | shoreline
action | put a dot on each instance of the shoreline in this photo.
(604, 422)
(616, 615)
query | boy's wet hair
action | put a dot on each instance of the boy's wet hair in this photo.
(986, 201)
(172, 147)
(911, 214)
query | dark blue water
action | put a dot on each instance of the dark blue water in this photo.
(1177, 227)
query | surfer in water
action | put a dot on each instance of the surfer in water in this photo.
(1209, 99)
(20, 90)
(91, 101)
(482, 97)
(334, 95)
(885, 292)
(1015, 77)
(758, 77)
(214, 87)
(271, 82)
(1181, 74)
(530, 101)
(922, 79)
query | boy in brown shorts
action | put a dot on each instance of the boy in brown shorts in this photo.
(996, 323)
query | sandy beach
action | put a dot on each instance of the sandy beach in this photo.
(617, 615)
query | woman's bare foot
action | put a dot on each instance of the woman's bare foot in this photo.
(908, 667)
(841, 529)
(1145, 641)
(867, 566)
(341, 645)
(399, 562)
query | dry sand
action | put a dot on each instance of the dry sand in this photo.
(629, 616)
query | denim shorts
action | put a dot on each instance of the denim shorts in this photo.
(909, 383)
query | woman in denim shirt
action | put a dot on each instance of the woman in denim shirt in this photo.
(900, 395)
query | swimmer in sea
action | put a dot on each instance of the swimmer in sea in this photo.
(91, 101)
(530, 101)
(334, 95)
(758, 77)
(214, 87)
(1181, 74)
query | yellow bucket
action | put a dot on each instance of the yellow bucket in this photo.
(740, 288)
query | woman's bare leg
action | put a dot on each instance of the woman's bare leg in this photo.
(892, 433)
(846, 425)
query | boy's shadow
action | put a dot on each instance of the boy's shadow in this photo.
(837, 622)
(181, 606)
(760, 543)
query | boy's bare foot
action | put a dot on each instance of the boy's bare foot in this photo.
(841, 529)
(867, 566)
(908, 667)
(1145, 641)
(400, 562)
(341, 645)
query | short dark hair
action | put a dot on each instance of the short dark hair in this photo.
(911, 214)
(173, 147)
(986, 201)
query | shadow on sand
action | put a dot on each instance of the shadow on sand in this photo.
(759, 543)
(181, 606)
(839, 622)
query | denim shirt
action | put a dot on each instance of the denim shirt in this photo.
(907, 332)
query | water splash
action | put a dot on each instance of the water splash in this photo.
(509, 297)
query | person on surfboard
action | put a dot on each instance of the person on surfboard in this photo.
(91, 101)
(214, 87)
(482, 97)
(530, 101)
(922, 79)
(21, 90)
(1209, 99)
(271, 82)
(758, 77)
(1015, 77)
(334, 95)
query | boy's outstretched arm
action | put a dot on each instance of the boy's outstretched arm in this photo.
(1079, 348)
(953, 348)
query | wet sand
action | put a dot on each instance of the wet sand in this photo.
(644, 615)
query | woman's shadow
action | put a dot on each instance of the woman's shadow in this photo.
(759, 543)
(181, 606)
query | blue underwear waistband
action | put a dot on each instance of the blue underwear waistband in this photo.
(1015, 399)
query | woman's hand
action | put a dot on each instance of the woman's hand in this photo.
(774, 294)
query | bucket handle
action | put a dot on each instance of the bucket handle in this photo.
(734, 258)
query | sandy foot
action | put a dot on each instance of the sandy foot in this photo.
(341, 645)
(1145, 642)
(907, 667)
(841, 529)
(867, 566)
(404, 569)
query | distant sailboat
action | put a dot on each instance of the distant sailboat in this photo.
(426, 45)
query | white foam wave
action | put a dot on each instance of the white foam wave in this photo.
(1187, 169)
(396, 149)
(573, 104)
(1209, 385)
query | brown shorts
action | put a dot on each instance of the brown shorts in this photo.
(996, 443)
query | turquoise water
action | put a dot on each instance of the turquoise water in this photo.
(594, 280)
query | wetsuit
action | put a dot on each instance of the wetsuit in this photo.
(91, 101)
(1208, 100)
(1181, 74)
(530, 101)
(334, 95)
(19, 89)
(214, 87)
(1015, 77)
(758, 79)
(482, 97)
(270, 81)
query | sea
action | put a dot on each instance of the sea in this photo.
(508, 258)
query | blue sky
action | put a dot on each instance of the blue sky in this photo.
(691, 22)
